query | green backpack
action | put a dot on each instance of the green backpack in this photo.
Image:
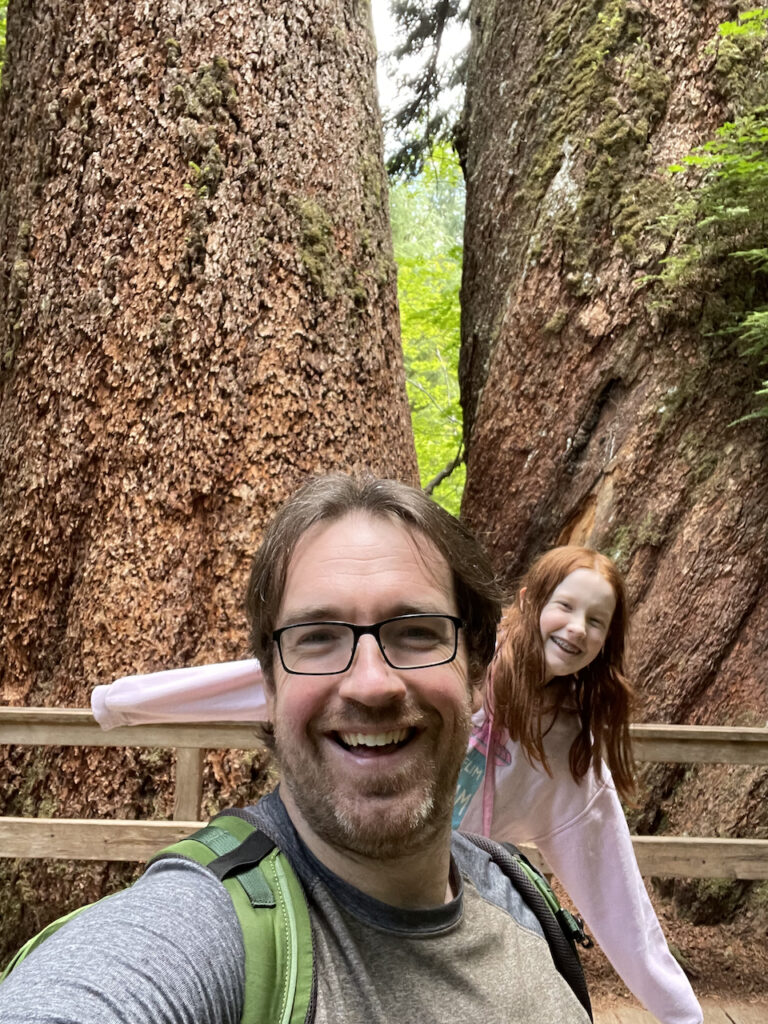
(270, 906)
(277, 934)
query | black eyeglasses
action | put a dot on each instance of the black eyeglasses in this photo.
(406, 641)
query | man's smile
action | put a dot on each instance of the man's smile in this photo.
(357, 741)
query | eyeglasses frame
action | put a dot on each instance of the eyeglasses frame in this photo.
(374, 630)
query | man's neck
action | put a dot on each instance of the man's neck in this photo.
(414, 880)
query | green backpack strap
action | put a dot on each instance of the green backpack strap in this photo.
(272, 910)
(270, 906)
(188, 847)
(572, 926)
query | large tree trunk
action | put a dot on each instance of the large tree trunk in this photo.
(590, 415)
(197, 308)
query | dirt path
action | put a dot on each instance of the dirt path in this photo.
(715, 1012)
(725, 962)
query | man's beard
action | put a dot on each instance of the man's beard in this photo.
(389, 816)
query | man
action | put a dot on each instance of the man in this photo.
(373, 613)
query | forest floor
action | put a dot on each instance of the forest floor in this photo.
(721, 960)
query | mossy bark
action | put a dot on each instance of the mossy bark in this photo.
(591, 414)
(197, 309)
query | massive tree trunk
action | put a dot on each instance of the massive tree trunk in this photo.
(591, 415)
(197, 308)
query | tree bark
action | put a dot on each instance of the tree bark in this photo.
(198, 310)
(591, 415)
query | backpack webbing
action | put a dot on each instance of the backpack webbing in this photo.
(277, 938)
(560, 928)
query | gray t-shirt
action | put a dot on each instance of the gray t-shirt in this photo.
(169, 951)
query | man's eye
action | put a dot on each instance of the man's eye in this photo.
(415, 635)
(317, 637)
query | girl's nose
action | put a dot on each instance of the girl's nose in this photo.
(369, 679)
(577, 626)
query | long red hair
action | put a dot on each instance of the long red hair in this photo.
(602, 691)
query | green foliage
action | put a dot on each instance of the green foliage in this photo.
(427, 227)
(3, 9)
(750, 23)
(721, 221)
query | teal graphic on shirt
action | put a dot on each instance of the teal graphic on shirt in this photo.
(470, 777)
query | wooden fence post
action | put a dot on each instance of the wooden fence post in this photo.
(189, 784)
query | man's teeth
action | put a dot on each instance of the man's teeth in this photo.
(378, 739)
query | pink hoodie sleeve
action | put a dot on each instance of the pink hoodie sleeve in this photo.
(593, 857)
(230, 692)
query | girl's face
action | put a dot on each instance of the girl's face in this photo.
(574, 622)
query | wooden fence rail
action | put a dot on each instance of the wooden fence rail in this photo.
(62, 838)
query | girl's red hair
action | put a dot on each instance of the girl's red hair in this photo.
(601, 690)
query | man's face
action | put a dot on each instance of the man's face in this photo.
(370, 757)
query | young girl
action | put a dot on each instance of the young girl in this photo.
(558, 701)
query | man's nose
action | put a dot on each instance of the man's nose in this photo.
(369, 679)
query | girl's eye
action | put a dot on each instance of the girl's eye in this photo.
(564, 604)
(598, 623)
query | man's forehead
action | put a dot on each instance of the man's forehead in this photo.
(378, 527)
(381, 550)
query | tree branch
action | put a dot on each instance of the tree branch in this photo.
(446, 472)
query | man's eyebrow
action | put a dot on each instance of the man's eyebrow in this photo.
(423, 608)
(310, 614)
(325, 613)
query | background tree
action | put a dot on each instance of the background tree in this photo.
(718, 222)
(595, 409)
(197, 308)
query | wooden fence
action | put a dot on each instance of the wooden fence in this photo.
(62, 838)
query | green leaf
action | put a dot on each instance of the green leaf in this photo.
(3, 9)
